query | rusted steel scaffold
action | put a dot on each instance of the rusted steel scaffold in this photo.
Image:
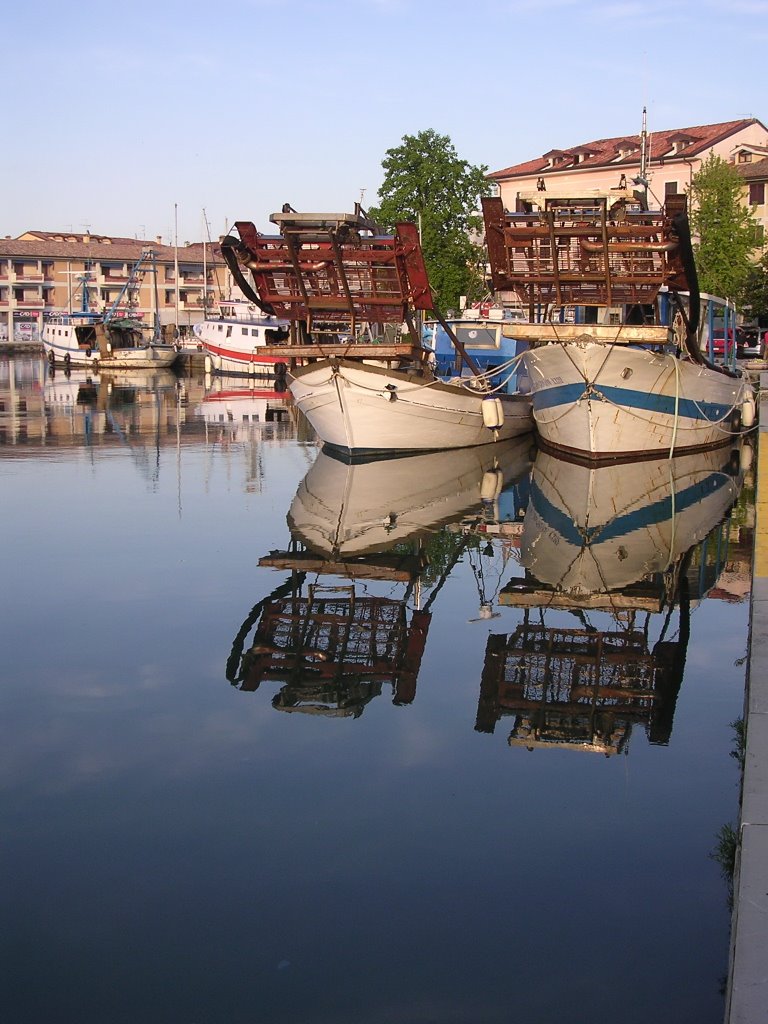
(346, 288)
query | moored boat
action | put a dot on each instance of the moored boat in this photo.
(235, 340)
(358, 368)
(115, 339)
(615, 358)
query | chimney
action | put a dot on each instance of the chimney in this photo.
(87, 237)
(158, 239)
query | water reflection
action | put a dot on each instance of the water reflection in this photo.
(638, 542)
(45, 408)
(334, 645)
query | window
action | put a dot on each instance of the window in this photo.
(745, 158)
(757, 193)
(670, 188)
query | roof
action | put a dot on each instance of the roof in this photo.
(51, 245)
(606, 152)
(755, 171)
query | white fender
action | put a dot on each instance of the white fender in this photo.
(493, 413)
(748, 413)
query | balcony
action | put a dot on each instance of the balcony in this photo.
(29, 276)
(30, 302)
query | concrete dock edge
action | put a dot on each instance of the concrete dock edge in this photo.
(747, 991)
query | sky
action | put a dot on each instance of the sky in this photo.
(133, 119)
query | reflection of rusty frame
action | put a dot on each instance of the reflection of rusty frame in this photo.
(580, 252)
(333, 640)
(576, 687)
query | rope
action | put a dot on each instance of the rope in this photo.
(677, 409)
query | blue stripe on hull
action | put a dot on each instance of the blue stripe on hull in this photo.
(568, 394)
(653, 514)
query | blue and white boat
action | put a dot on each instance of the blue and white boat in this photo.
(615, 361)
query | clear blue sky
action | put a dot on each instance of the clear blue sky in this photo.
(113, 113)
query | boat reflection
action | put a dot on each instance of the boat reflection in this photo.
(333, 645)
(239, 408)
(631, 544)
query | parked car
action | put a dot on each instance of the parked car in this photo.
(750, 343)
(718, 341)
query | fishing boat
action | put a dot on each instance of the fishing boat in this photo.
(234, 342)
(615, 361)
(114, 340)
(619, 548)
(358, 368)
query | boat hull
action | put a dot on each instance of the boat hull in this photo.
(63, 347)
(605, 402)
(235, 347)
(365, 409)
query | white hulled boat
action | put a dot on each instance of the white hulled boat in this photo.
(615, 361)
(357, 367)
(114, 340)
(235, 340)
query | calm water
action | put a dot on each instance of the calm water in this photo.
(431, 788)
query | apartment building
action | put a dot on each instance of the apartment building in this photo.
(672, 159)
(47, 273)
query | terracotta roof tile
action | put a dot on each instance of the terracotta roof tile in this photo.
(605, 151)
(121, 249)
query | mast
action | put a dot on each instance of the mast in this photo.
(642, 178)
(176, 260)
(205, 271)
(157, 331)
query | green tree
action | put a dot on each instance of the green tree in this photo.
(726, 229)
(426, 182)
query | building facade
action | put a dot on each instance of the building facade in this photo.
(672, 159)
(44, 274)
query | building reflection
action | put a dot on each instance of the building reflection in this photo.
(357, 529)
(41, 408)
(625, 550)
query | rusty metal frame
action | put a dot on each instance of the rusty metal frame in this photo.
(596, 256)
(334, 275)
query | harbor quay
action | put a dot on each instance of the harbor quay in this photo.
(747, 992)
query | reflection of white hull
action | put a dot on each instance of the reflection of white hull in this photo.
(240, 408)
(600, 400)
(362, 408)
(597, 529)
(348, 510)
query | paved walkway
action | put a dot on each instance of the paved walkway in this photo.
(747, 997)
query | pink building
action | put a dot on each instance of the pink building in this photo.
(672, 159)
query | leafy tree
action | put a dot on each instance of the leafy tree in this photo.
(726, 229)
(426, 182)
